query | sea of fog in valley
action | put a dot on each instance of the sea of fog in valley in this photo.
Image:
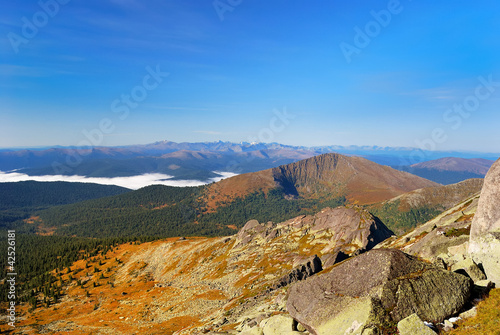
(131, 182)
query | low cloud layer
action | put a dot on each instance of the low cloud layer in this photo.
(132, 182)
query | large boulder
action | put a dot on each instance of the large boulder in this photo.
(375, 289)
(484, 246)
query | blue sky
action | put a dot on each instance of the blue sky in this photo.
(420, 73)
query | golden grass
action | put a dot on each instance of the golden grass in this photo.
(487, 321)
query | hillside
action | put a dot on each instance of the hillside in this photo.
(329, 175)
(417, 207)
(44, 194)
(449, 170)
(259, 278)
(19, 200)
(199, 283)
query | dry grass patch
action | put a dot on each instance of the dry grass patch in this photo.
(487, 321)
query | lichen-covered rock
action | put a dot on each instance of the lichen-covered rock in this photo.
(371, 331)
(331, 259)
(252, 331)
(251, 229)
(485, 250)
(413, 325)
(374, 289)
(278, 325)
(484, 246)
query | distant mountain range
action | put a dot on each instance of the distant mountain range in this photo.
(450, 170)
(200, 161)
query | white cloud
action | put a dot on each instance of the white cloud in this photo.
(132, 182)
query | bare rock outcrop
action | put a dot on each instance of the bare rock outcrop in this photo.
(484, 246)
(343, 229)
(374, 289)
(304, 271)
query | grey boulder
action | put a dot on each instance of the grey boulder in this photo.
(375, 289)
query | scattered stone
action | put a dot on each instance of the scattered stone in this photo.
(252, 331)
(413, 325)
(361, 291)
(278, 325)
(440, 263)
(469, 268)
(461, 249)
(370, 331)
(469, 314)
(448, 325)
(300, 327)
(249, 231)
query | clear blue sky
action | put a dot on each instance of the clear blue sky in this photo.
(231, 68)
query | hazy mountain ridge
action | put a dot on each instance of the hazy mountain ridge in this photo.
(191, 161)
(450, 170)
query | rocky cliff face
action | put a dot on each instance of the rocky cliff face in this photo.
(359, 179)
(484, 245)
(329, 175)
